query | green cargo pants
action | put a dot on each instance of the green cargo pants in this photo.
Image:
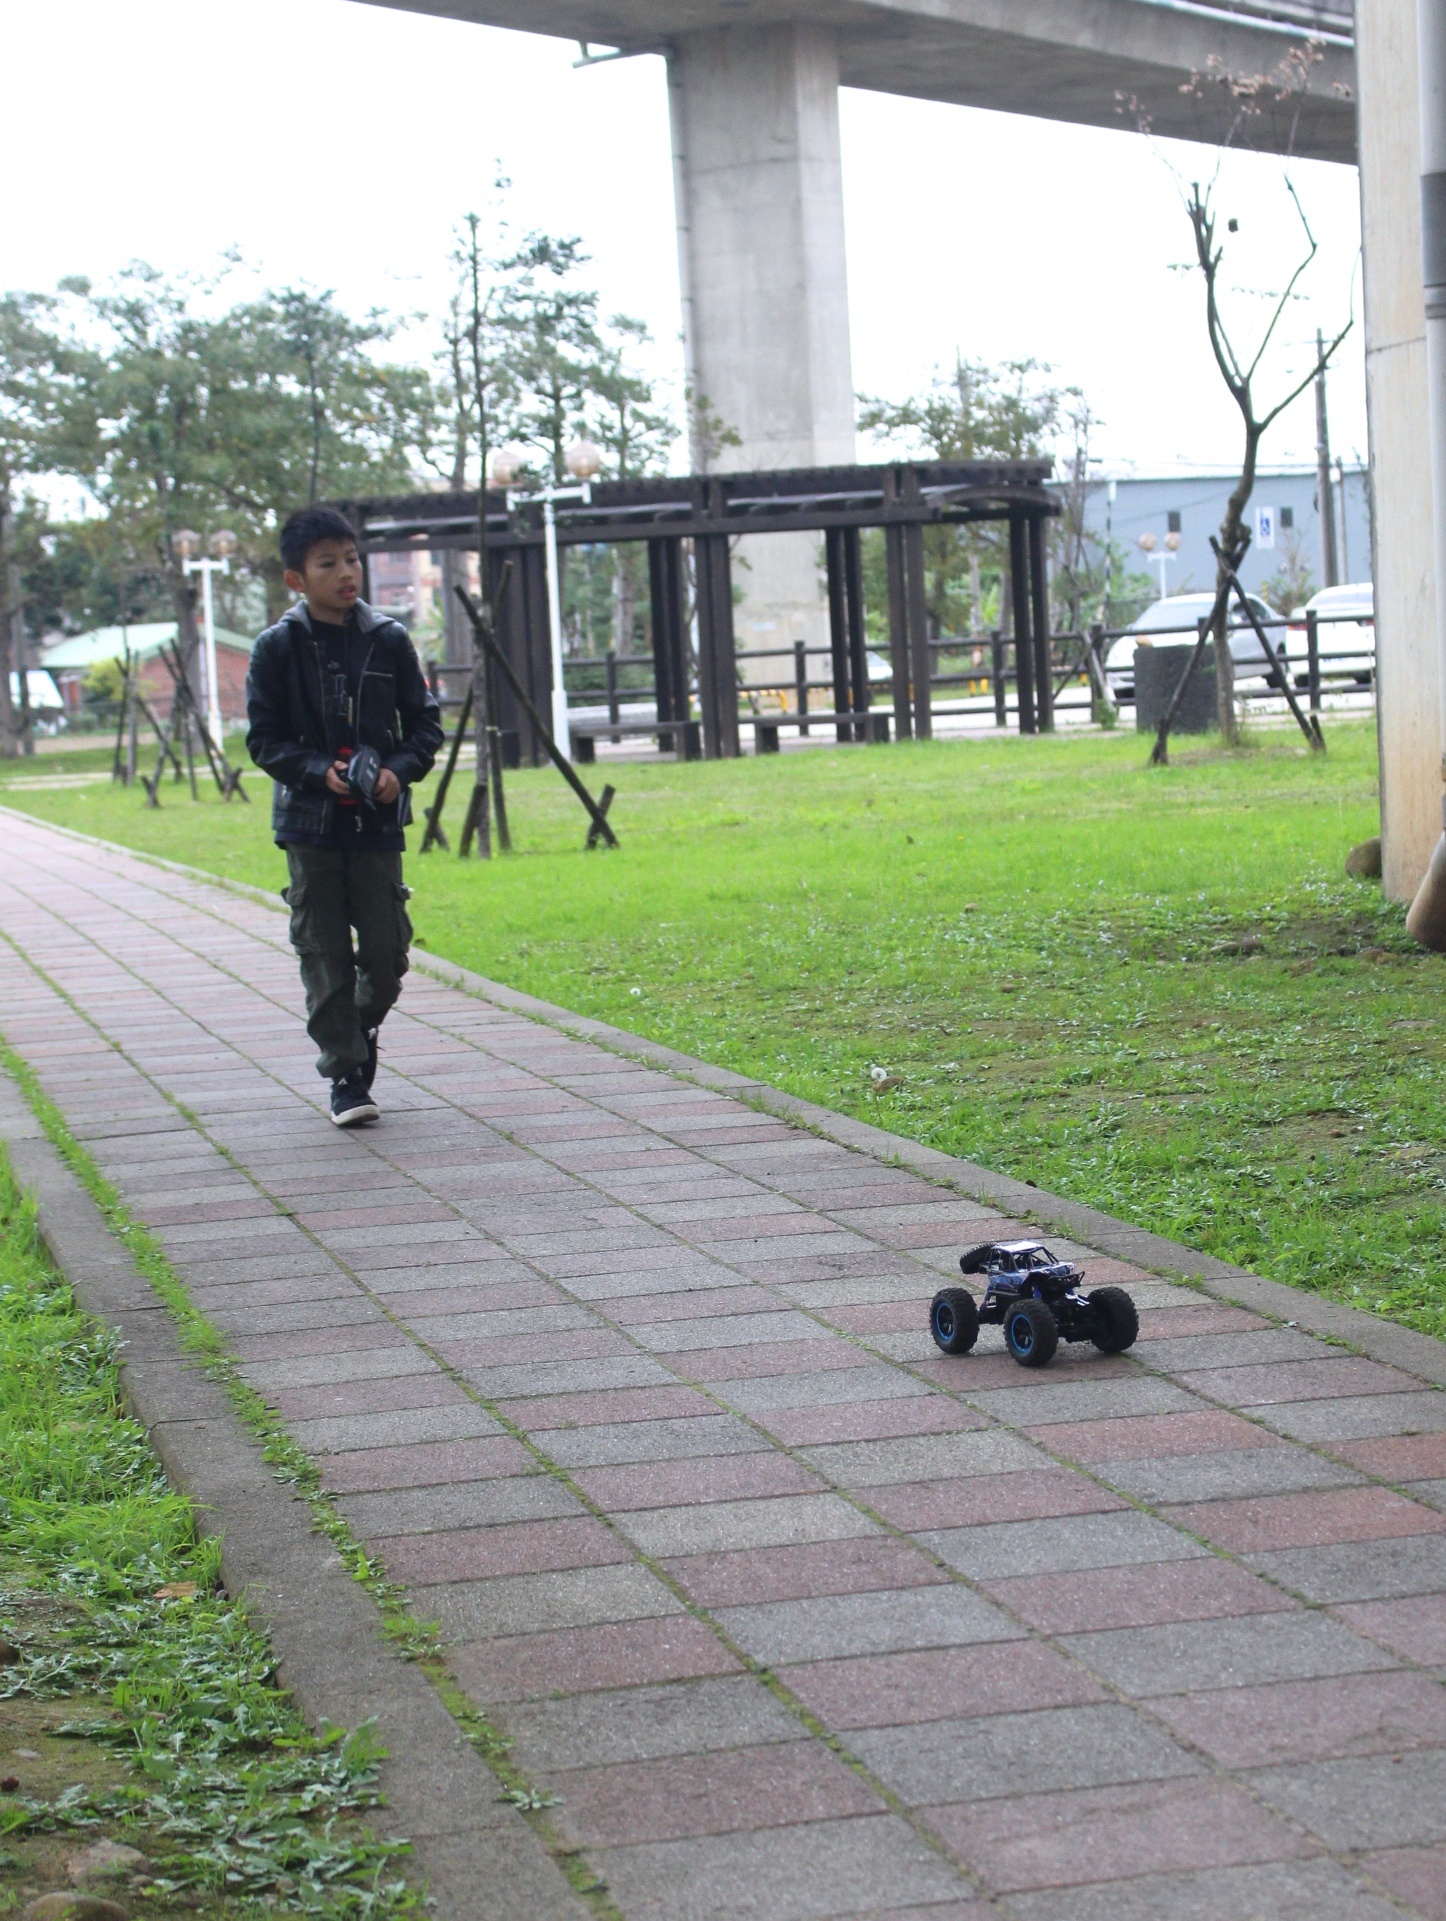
(348, 990)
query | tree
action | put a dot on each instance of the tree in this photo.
(137, 428)
(1293, 583)
(78, 574)
(620, 406)
(305, 411)
(552, 342)
(1240, 372)
(182, 412)
(32, 371)
(975, 413)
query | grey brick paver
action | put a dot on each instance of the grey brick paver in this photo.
(1294, 1891)
(533, 1497)
(709, 1328)
(718, 1527)
(1226, 1473)
(1387, 1801)
(1186, 1656)
(802, 1873)
(1060, 1545)
(882, 1623)
(1360, 1570)
(987, 1758)
(648, 1724)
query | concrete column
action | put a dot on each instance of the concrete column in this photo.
(759, 192)
(1398, 399)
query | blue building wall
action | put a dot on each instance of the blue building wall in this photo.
(1195, 505)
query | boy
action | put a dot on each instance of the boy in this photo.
(330, 681)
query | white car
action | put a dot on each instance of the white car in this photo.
(1345, 635)
(1183, 613)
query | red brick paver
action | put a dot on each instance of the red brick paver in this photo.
(628, 1382)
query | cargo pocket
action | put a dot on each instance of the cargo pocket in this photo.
(401, 895)
(303, 920)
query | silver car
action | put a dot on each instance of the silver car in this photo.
(1346, 636)
(1175, 623)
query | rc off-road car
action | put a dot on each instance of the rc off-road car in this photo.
(1038, 1301)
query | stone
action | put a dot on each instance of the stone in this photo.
(74, 1907)
(1363, 862)
(105, 1861)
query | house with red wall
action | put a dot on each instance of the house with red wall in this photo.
(147, 642)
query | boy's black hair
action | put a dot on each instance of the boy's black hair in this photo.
(305, 528)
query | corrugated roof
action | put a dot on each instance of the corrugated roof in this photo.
(144, 637)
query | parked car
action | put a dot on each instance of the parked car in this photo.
(1185, 612)
(1346, 636)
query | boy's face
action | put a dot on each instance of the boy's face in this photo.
(330, 578)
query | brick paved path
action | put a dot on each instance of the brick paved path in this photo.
(628, 1383)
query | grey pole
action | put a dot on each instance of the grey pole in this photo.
(1325, 490)
(1427, 918)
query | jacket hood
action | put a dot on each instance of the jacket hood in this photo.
(367, 617)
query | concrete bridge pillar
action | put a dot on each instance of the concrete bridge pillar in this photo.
(759, 193)
(1399, 402)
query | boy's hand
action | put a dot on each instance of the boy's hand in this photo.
(388, 787)
(336, 778)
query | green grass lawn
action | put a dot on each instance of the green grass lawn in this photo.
(1151, 990)
(138, 1706)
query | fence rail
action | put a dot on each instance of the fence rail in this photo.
(1077, 660)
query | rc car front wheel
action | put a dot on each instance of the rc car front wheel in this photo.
(954, 1320)
(1031, 1334)
(1116, 1322)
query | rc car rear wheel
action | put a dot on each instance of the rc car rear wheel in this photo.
(954, 1320)
(1031, 1334)
(1116, 1322)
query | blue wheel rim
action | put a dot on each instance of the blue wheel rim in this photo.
(1021, 1333)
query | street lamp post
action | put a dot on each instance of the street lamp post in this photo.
(218, 561)
(1162, 559)
(583, 460)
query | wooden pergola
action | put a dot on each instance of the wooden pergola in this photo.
(710, 512)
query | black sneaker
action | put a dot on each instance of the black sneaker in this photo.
(351, 1100)
(369, 1072)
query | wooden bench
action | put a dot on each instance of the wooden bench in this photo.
(587, 733)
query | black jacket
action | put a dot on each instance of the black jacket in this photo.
(289, 736)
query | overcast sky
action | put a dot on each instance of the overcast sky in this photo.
(338, 143)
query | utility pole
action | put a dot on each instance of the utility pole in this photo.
(1341, 502)
(1324, 481)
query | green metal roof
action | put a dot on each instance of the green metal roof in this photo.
(144, 638)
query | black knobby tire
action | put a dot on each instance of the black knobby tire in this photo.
(1116, 1322)
(1031, 1333)
(954, 1320)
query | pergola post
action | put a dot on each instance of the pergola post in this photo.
(838, 630)
(670, 655)
(921, 663)
(717, 665)
(1023, 640)
(898, 613)
(858, 640)
(1039, 612)
(522, 634)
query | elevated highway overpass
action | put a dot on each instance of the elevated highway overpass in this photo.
(1080, 60)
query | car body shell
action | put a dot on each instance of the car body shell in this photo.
(1345, 636)
(1026, 1270)
(1175, 622)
